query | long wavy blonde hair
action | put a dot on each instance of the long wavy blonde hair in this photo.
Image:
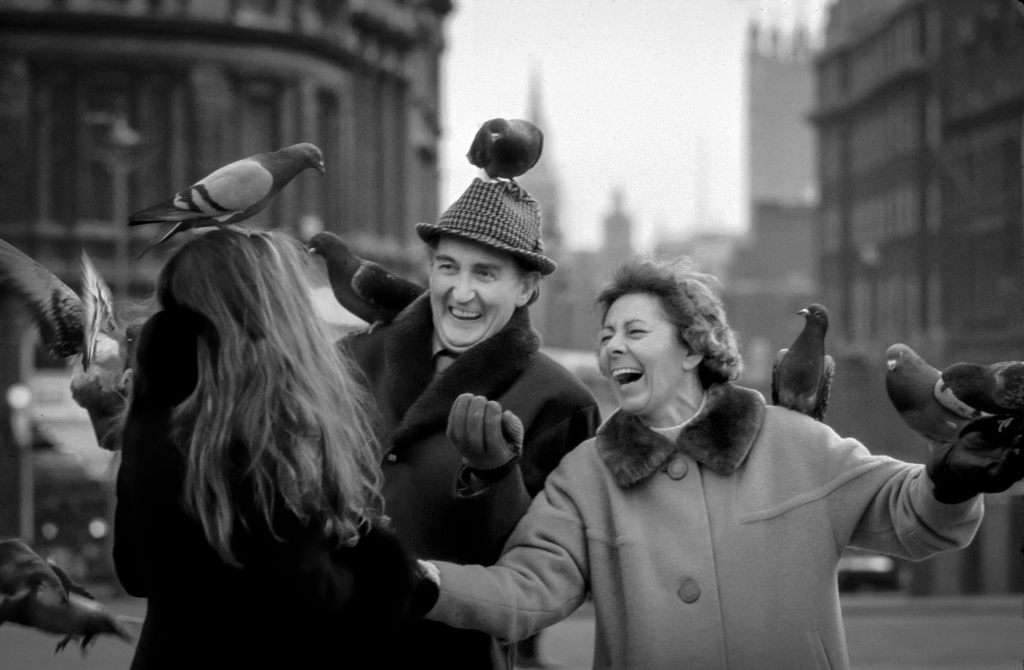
(277, 412)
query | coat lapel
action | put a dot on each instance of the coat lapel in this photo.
(718, 437)
(422, 399)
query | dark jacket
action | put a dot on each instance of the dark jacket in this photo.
(421, 467)
(297, 600)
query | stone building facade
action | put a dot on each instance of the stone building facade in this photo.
(920, 119)
(108, 106)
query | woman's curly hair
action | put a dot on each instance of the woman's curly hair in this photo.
(690, 302)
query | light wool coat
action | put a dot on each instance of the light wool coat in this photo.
(728, 561)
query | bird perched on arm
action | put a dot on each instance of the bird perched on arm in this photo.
(70, 325)
(802, 375)
(914, 387)
(506, 149)
(363, 287)
(37, 593)
(232, 193)
(996, 388)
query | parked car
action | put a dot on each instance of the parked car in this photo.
(864, 569)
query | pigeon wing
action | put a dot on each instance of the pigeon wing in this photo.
(375, 284)
(221, 194)
(56, 309)
(775, 375)
(98, 309)
(22, 569)
(236, 187)
(824, 388)
(69, 584)
(1010, 385)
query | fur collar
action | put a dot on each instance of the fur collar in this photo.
(423, 399)
(719, 436)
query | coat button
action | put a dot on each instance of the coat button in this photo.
(677, 468)
(391, 458)
(689, 591)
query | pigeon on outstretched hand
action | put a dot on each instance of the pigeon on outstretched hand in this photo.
(363, 287)
(232, 193)
(70, 326)
(996, 388)
(506, 149)
(38, 594)
(914, 387)
(802, 375)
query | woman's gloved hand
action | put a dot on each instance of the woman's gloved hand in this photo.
(487, 437)
(987, 457)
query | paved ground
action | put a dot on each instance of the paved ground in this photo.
(884, 632)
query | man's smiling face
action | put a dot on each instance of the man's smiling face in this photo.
(473, 291)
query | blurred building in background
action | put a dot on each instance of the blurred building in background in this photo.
(772, 274)
(110, 106)
(920, 120)
(543, 183)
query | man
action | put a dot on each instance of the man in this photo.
(460, 383)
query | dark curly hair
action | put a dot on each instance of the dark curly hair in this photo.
(690, 301)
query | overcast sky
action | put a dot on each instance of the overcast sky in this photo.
(643, 94)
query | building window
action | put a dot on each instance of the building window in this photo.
(986, 271)
(260, 131)
(934, 299)
(329, 137)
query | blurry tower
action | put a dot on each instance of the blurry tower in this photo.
(618, 233)
(773, 273)
(543, 184)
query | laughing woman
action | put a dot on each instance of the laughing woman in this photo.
(706, 526)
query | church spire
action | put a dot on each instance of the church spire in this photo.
(542, 181)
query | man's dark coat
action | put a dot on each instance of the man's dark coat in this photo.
(421, 466)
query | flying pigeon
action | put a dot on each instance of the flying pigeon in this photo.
(912, 387)
(22, 569)
(996, 388)
(363, 287)
(506, 149)
(70, 326)
(232, 193)
(802, 375)
(37, 593)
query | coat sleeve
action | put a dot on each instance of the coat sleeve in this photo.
(885, 505)
(541, 579)
(374, 579)
(497, 508)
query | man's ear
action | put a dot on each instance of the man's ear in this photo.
(529, 288)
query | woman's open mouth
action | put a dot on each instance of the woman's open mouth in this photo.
(626, 376)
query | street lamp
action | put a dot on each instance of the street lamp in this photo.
(19, 404)
(118, 154)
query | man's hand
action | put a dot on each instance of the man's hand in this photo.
(486, 437)
(987, 457)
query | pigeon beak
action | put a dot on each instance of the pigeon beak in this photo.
(321, 169)
(803, 312)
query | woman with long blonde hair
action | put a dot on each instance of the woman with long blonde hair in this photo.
(248, 510)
